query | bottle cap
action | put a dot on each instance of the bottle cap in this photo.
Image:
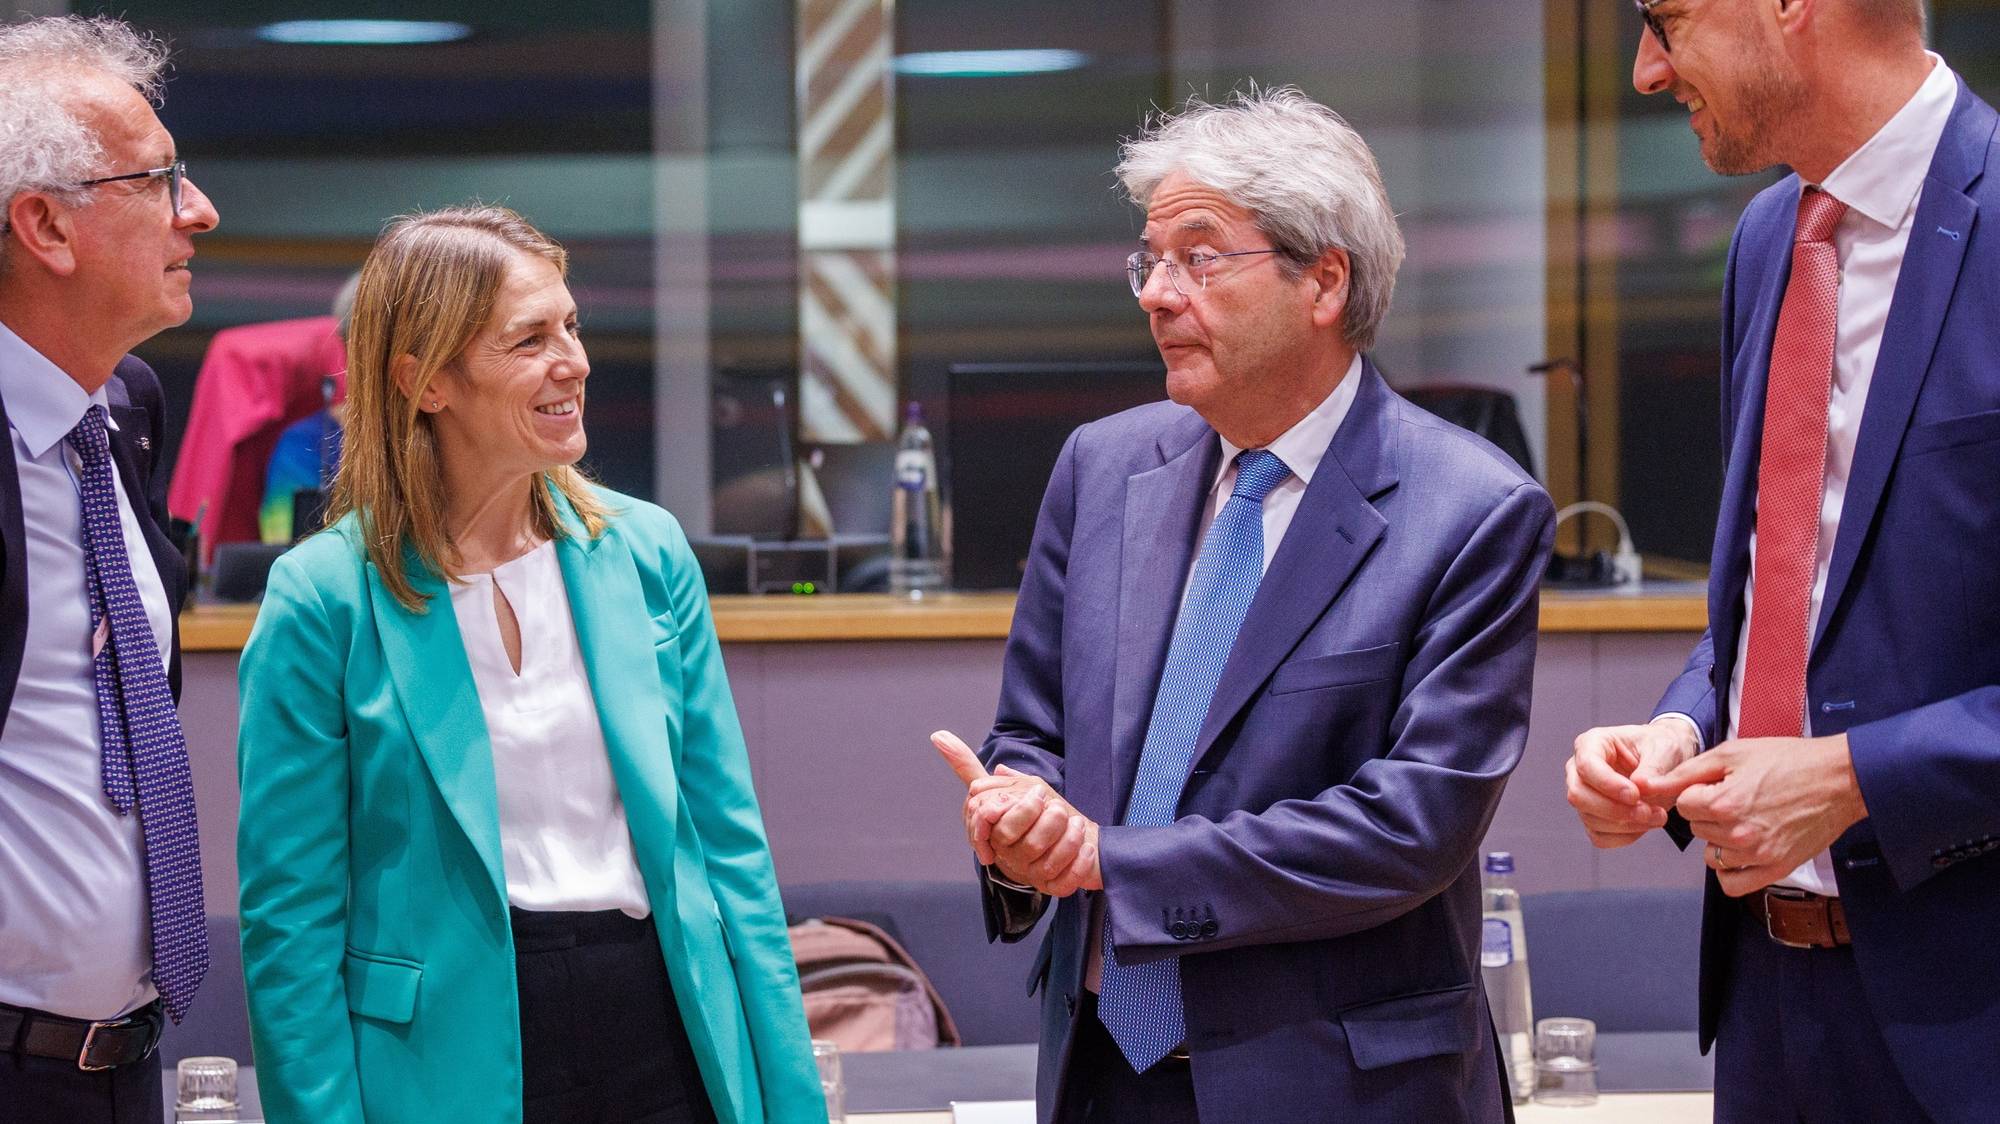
(1499, 862)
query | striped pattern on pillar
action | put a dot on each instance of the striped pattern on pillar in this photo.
(847, 221)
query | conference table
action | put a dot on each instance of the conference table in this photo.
(1645, 1078)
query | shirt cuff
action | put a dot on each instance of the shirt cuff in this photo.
(1700, 744)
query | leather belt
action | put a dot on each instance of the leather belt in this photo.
(1797, 919)
(104, 1044)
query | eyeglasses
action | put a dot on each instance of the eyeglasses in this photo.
(1197, 266)
(175, 174)
(1652, 21)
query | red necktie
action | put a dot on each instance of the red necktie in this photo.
(1791, 478)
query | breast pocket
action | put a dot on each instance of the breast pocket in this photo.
(1338, 669)
(1953, 433)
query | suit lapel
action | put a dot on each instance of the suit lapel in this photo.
(13, 572)
(129, 449)
(1331, 533)
(1162, 510)
(607, 605)
(433, 678)
(1938, 236)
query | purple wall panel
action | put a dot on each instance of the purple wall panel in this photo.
(840, 753)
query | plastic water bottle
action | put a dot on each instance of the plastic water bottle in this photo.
(1503, 963)
(919, 550)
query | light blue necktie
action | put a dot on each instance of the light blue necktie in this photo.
(1140, 1004)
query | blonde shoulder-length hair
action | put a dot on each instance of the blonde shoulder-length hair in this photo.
(426, 290)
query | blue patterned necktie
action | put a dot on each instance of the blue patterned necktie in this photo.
(145, 756)
(1140, 1004)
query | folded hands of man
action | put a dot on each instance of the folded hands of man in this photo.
(1760, 806)
(1022, 826)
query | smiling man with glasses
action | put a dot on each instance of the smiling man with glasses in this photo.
(100, 881)
(1268, 672)
(1832, 751)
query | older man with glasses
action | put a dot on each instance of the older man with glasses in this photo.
(1268, 674)
(1833, 746)
(100, 878)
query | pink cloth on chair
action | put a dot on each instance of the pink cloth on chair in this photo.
(256, 380)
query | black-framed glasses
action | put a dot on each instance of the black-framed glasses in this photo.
(1197, 266)
(174, 173)
(1653, 23)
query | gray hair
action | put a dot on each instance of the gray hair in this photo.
(43, 146)
(1306, 175)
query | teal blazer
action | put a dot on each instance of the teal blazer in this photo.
(376, 943)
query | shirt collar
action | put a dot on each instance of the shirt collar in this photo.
(43, 402)
(1302, 446)
(1883, 177)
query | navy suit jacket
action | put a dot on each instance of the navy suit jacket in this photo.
(1319, 887)
(1907, 656)
(140, 412)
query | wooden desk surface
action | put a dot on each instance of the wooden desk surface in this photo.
(986, 616)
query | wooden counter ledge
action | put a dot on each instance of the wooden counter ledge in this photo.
(986, 616)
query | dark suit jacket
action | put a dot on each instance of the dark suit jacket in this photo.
(1320, 887)
(137, 407)
(1907, 656)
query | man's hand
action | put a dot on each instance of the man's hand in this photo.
(1614, 777)
(1020, 824)
(1764, 805)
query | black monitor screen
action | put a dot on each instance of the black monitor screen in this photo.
(1005, 425)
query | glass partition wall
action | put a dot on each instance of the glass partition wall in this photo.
(661, 141)
(1639, 235)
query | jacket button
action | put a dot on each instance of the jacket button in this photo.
(1209, 928)
(1178, 930)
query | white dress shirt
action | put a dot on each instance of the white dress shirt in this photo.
(563, 837)
(1881, 184)
(1301, 447)
(73, 907)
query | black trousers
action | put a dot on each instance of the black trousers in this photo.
(48, 1091)
(601, 1037)
(1102, 1088)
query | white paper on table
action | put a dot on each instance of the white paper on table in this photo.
(993, 1112)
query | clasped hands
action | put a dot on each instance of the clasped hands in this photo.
(1019, 824)
(1761, 806)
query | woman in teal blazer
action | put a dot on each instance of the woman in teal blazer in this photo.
(381, 925)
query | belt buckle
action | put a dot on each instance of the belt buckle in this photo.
(84, 1060)
(1784, 893)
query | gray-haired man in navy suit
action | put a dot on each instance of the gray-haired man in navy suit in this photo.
(100, 880)
(1268, 673)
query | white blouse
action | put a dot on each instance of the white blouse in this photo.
(563, 837)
